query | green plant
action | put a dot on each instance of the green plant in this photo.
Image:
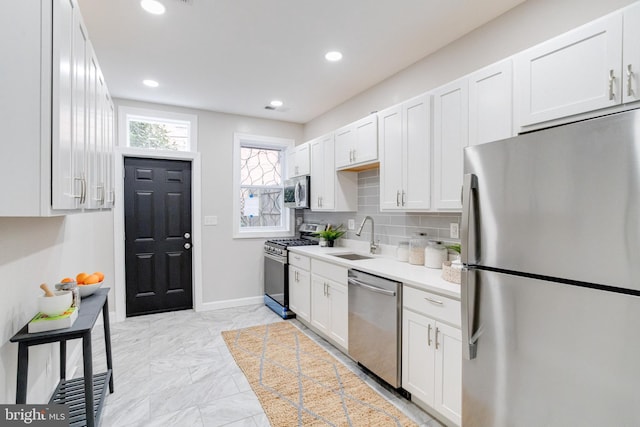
(455, 247)
(331, 233)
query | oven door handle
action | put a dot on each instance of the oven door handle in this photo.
(371, 288)
(281, 260)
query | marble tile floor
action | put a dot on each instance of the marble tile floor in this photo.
(174, 369)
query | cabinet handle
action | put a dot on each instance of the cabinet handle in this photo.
(398, 198)
(83, 199)
(611, 80)
(435, 301)
(350, 156)
(429, 335)
(437, 332)
(78, 196)
(629, 80)
(403, 194)
(354, 155)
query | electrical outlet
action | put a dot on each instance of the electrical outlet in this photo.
(351, 224)
(454, 230)
(299, 221)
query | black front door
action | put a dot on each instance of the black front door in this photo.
(157, 210)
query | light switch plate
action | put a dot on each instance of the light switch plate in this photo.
(211, 220)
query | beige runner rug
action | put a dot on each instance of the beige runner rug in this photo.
(300, 384)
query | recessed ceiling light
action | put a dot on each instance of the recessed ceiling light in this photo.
(150, 83)
(333, 56)
(276, 103)
(153, 6)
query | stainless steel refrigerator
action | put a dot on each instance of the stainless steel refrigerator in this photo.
(551, 285)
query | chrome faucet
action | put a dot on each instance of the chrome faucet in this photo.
(372, 246)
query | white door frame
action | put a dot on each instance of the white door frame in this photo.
(118, 223)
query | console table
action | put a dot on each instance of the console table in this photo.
(84, 396)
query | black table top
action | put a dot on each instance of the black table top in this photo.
(90, 308)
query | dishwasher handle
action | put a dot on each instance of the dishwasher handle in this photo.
(371, 288)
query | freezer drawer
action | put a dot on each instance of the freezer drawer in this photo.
(550, 354)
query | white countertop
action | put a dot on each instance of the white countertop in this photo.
(416, 276)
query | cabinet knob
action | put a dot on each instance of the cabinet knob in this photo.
(187, 245)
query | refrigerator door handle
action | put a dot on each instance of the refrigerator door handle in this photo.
(468, 300)
(468, 250)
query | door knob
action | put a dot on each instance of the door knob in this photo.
(187, 245)
(187, 235)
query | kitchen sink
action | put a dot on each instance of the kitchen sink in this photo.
(353, 257)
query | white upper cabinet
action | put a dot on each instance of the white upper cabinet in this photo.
(631, 53)
(391, 158)
(357, 143)
(47, 83)
(450, 137)
(299, 161)
(491, 103)
(330, 190)
(573, 73)
(405, 155)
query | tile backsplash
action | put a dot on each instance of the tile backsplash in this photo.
(390, 227)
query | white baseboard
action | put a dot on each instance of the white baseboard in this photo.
(217, 305)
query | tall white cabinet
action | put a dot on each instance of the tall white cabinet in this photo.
(331, 190)
(450, 137)
(46, 111)
(404, 136)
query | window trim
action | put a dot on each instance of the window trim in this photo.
(283, 144)
(125, 112)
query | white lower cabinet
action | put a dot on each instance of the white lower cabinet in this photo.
(300, 292)
(432, 355)
(329, 309)
(329, 301)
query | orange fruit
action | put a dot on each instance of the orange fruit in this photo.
(66, 280)
(80, 278)
(100, 275)
(92, 279)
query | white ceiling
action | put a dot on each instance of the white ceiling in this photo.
(236, 56)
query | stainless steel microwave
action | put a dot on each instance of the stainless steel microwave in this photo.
(297, 192)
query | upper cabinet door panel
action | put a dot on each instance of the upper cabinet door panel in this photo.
(417, 153)
(450, 137)
(631, 54)
(491, 103)
(391, 157)
(366, 148)
(576, 72)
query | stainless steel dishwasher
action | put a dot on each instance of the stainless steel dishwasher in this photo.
(375, 310)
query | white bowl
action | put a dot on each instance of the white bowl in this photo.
(86, 290)
(55, 306)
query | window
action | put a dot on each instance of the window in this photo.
(158, 130)
(259, 163)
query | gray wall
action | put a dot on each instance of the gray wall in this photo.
(390, 227)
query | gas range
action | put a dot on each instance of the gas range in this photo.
(279, 247)
(276, 268)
